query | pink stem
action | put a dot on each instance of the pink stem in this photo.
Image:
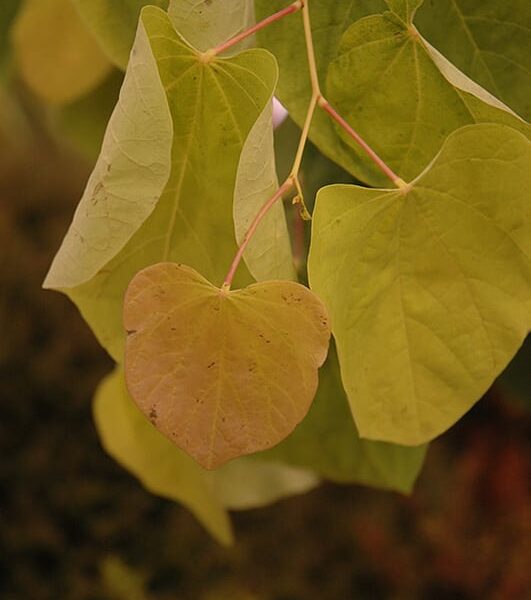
(288, 184)
(386, 170)
(292, 8)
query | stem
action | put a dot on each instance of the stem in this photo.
(287, 185)
(386, 169)
(292, 8)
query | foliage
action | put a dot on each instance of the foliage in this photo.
(427, 285)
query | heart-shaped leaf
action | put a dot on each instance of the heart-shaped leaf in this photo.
(222, 373)
(429, 288)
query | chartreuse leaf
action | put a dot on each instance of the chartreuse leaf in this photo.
(130, 439)
(236, 382)
(327, 441)
(490, 41)
(429, 289)
(268, 255)
(206, 23)
(57, 56)
(402, 96)
(213, 106)
(167, 471)
(114, 23)
(286, 40)
(128, 179)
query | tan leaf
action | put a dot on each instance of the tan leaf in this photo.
(222, 373)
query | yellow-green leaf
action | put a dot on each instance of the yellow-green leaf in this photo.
(222, 373)
(403, 97)
(429, 289)
(57, 56)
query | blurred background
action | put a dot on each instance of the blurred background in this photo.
(75, 525)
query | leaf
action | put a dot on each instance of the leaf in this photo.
(429, 290)
(128, 179)
(403, 97)
(490, 41)
(206, 23)
(131, 440)
(268, 255)
(58, 58)
(285, 39)
(213, 106)
(168, 472)
(327, 441)
(248, 482)
(219, 390)
(114, 23)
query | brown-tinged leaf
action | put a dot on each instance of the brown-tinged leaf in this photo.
(222, 373)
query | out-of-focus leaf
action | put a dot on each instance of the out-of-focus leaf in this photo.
(58, 57)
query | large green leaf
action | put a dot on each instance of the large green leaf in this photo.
(490, 41)
(327, 441)
(403, 96)
(114, 23)
(286, 40)
(58, 58)
(206, 23)
(217, 389)
(213, 107)
(167, 471)
(429, 289)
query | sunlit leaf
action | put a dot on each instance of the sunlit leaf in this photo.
(57, 56)
(114, 23)
(241, 378)
(213, 106)
(403, 97)
(489, 40)
(327, 442)
(206, 23)
(429, 290)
